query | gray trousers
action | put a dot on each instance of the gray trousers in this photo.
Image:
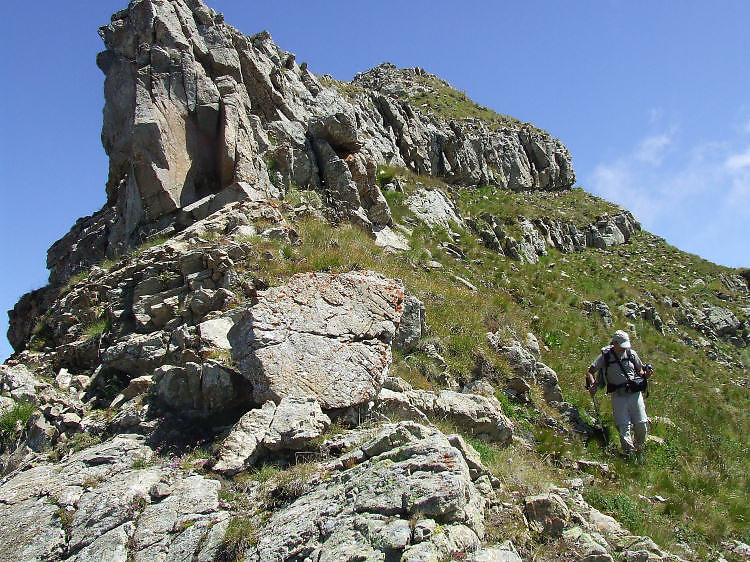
(629, 410)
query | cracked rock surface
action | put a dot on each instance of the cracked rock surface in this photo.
(321, 335)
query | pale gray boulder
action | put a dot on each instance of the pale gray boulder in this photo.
(296, 421)
(563, 236)
(290, 426)
(532, 345)
(6, 404)
(401, 405)
(339, 130)
(390, 239)
(433, 207)
(243, 446)
(321, 335)
(213, 333)
(137, 354)
(476, 414)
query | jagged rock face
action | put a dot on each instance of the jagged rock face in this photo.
(320, 335)
(151, 293)
(193, 106)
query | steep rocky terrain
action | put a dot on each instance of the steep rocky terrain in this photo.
(319, 320)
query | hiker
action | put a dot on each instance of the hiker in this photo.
(620, 370)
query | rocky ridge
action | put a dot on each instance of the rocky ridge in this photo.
(161, 373)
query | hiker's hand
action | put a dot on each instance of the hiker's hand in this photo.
(648, 372)
(590, 384)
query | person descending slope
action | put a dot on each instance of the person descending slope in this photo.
(623, 375)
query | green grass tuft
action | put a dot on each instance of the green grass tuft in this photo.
(17, 416)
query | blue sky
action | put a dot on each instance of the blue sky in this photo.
(651, 98)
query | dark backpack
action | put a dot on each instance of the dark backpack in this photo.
(636, 383)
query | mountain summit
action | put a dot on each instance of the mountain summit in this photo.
(323, 320)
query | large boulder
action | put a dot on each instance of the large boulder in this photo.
(321, 335)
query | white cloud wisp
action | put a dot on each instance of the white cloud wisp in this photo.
(697, 197)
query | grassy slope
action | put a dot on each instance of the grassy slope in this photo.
(701, 470)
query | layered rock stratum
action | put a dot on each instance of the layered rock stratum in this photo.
(195, 385)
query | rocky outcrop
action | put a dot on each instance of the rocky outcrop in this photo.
(528, 371)
(714, 322)
(197, 115)
(320, 335)
(384, 499)
(468, 151)
(546, 232)
(610, 231)
(189, 398)
(114, 501)
(142, 298)
(601, 309)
